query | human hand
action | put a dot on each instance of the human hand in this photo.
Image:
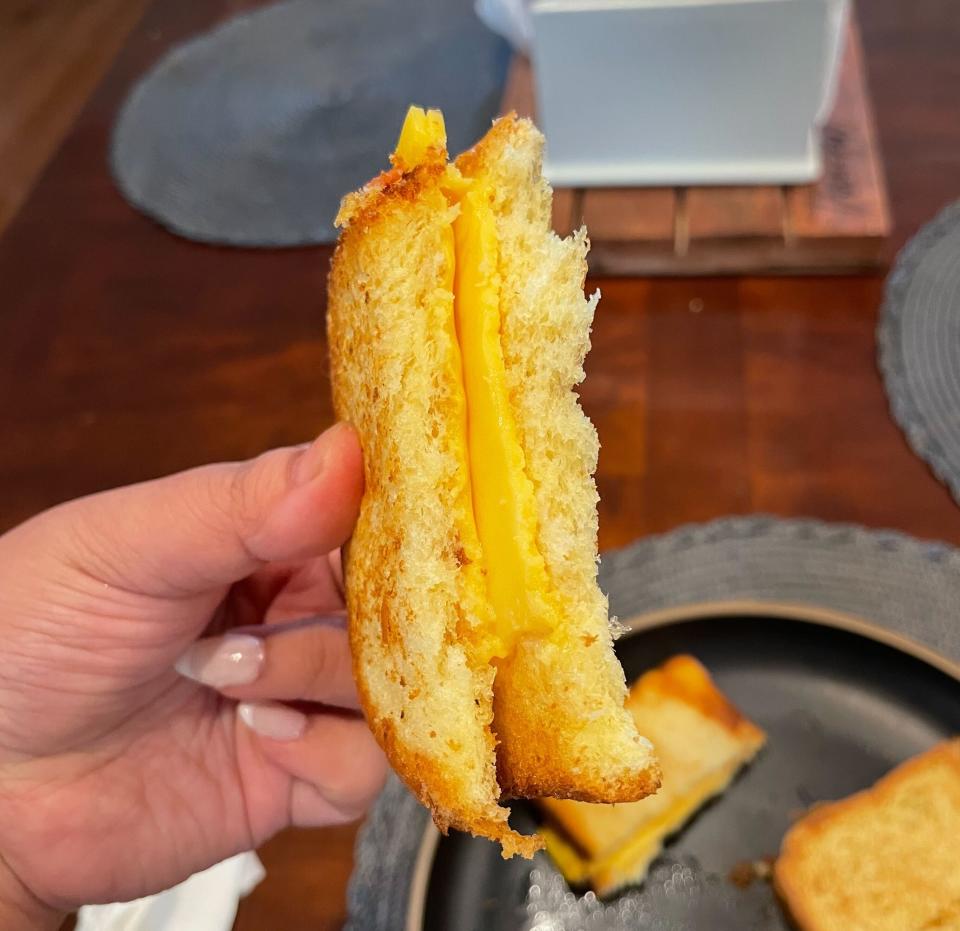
(120, 776)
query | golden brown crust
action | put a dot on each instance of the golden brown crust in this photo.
(474, 161)
(630, 787)
(388, 189)
(685, 678)
(795, 848)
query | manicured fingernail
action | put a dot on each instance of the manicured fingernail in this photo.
(270, 719)
(234, 659)
(313, 459)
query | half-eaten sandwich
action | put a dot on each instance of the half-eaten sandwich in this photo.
(458, 327)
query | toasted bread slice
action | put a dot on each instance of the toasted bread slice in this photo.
(702, 741)
(885, 859)
(473, 706)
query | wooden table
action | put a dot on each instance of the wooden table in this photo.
(126, 353)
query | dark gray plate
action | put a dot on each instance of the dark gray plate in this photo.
(840, 708)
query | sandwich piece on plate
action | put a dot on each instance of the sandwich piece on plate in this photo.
(702, 741)
(458, 327)
(885, 859)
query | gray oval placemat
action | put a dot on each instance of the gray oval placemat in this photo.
(910, 586)
(250, 134)
(919, 345)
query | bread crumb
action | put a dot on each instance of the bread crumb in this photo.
(745, 873)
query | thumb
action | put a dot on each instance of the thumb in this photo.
(211, 526)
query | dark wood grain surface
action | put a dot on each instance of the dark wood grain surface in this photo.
(126, 353)
(52, 54)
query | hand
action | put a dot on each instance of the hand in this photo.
(119, 775)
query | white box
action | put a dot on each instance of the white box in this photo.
(665, 92)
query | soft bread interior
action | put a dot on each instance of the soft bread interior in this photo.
(429, 632)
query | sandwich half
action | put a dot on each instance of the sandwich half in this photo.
(702, 742)
(885, 859)
(457, 327)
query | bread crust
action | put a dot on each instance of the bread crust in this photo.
(686, 678)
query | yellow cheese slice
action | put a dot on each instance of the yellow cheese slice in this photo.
(504, 511)
(503, 501)
(422, 131)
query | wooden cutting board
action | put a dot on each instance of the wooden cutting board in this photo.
(838, 225)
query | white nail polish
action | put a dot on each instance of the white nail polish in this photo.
(234, 659)
(273, 720)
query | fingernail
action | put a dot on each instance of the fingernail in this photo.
(269, 719)
(234, 659)
(313, 459)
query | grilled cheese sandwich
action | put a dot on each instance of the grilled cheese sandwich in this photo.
(457, 326)
(702, 742)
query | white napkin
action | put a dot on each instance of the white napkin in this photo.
(509, 18)
(206, 901)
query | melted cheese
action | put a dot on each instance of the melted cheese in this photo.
(503, 501)
(504, 511)
(421, 132)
